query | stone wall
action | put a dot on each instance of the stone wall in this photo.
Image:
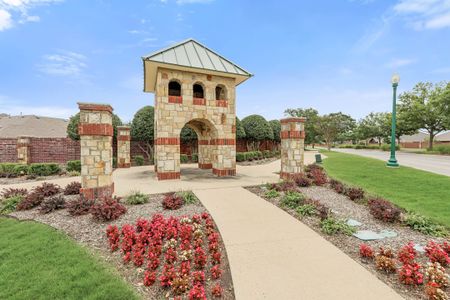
(23, 150)
(292, 146)
(123, 147)
(212, 119)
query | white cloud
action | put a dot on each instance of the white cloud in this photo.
(12, 11)
(65, 63)
(424, 14)
(5, 20)
(399, 62)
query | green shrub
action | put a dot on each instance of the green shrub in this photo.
(136, 198)
(240, 156)
(272, 194)
(442, 149)
(306, 210)
(73, 173)
(184, 158)
(21, 170)
(292, 199)
(73, 165)
(267, 153)
(425, 225)
(387, 147)
(188, 197)
(44, 169)
(194, 158)
(138, 160)
(259, 155)
(13, 169)
(9, 205)
(332, 226)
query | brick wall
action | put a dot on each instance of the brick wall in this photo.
(8, 150)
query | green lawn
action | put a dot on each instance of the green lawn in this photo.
(423, 192)
(38, 262)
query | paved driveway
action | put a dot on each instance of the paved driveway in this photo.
(439, 164)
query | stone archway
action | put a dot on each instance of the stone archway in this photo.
(206, 132)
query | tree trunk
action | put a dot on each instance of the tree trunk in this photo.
(430, 142)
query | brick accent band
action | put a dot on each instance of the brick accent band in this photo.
(95, 107)
(199, 101)
(223, 142)
(168, 175)
(203, 142)
(288, 176)
(222, 103)
(167, 141)
(123, 137)
(225, 172)
(97, 192)
(293, 120)
(123, 165)
(205, 166)
(95, 129)
(176, 99)
(287, 134)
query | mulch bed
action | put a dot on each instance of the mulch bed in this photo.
(90, 233)
(343, 208)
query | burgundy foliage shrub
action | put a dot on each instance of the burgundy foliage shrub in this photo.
(384, 210)
(72, 188)
(11, 192)
(337, 186)
(53, 203)
(79, 206)
(354, 193)
(107, 209)
(318, 176)
(33, 199)
(47, 189)
(172, 201)
(302, 180)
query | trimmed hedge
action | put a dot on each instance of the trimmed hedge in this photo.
(37, 169)
(73, 165)
(44, 169)
(255, 155)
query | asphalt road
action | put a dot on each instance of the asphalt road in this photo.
(439, 164)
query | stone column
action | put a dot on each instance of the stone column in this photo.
(167, 158)
(224, 152)
(204, 153)
(123, 147)
(96, 133)
(23, 150)
(292, 146)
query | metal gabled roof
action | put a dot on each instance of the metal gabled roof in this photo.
(191, 54)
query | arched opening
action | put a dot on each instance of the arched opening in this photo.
(174, 88)
(221, 92)
(198, 91)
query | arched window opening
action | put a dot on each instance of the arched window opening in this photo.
(198, 91)
(174, 88)
(221, 93)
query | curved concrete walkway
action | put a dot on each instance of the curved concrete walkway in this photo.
(274, 256)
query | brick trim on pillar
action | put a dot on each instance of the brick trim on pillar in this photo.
(96, 133)
(224, 172)
(168, 175)
(292, 147)
(205, 166)
(223, 142)
(123, 147)
(167, 141)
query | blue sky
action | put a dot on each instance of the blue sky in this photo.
(331, 55)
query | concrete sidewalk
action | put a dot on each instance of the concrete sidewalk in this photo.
(274, 256)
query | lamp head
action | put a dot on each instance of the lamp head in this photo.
(395, 79)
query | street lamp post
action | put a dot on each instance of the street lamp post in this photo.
(392, 162)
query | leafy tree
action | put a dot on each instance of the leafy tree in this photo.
(374, 125)
(188, 136)
(256, 129)
(402, 127)
(333, 126)
(312, 118)
(427, 107)
(240, 132)
(276, 128)
(142, 129)
(74, 121)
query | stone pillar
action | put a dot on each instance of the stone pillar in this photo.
(204, 153)
(292, 146)
(167, 158)
(23, 150)
(96, 132)
(224, 152)
(123, 147)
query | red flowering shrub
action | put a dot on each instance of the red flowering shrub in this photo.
(354, 193)
(72, 188)
(410, 274)
(446, 247)
(47, 189)
(171, 256)
(217, 290)
(79, 206)
(216, 272)
(185, 267)
(149, 278)
(167, 276)
(434, 292)
(107, 209)
(365, 251)
(199, 258)
(436, 254)
(198, 277)
(153, 261)
(302, 180)
(216, 258)
(11, 192)
(112, 232)
(172, 201)
(197, 293)
(383, 210)
(318, 176)
(436, 273)
(407, 254)
(33, 199)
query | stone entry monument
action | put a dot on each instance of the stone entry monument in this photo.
(193, 86)
(292, 146)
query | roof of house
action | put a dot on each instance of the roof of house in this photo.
(418, 137)
(443, 137)
(190, 54)
(31, 125)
